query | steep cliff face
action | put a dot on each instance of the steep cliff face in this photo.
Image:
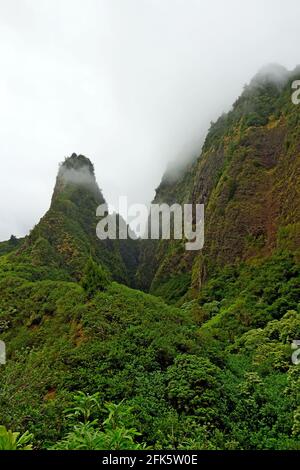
(160, 258)
(65, 237)
(214, 371)
(248, 177)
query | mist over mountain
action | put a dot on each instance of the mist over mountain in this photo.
(81, 176)
(204, 360)
(248, 178)
(133, 84)
(60, 244)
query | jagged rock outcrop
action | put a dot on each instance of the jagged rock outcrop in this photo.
(65, 237)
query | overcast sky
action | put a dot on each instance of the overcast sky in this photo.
(132, 84)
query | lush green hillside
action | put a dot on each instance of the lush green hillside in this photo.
(215, 373)
(59, 245)
(10, 245)
(248, 177)
(95, 364)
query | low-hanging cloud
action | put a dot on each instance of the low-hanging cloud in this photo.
(132, 84)
(272, 73)
(81, 176)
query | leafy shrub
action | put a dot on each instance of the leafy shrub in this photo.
(89, 434)
(14, 440)
(94, 279)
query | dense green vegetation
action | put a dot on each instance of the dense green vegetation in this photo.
(213, 374)
(248, 178)
(204, 360)
(58, 246)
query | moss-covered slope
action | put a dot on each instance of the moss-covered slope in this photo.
(60, 244)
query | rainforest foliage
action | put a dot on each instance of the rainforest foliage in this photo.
(203, 361)
(215, 373)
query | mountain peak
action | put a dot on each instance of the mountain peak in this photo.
(65, 237)
(76, 172)
(274, 73)
(77, 162)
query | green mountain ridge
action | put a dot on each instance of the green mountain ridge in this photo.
(60, 244)
(248, 178)
(203, 361)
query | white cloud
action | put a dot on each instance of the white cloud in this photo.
(132, 84)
